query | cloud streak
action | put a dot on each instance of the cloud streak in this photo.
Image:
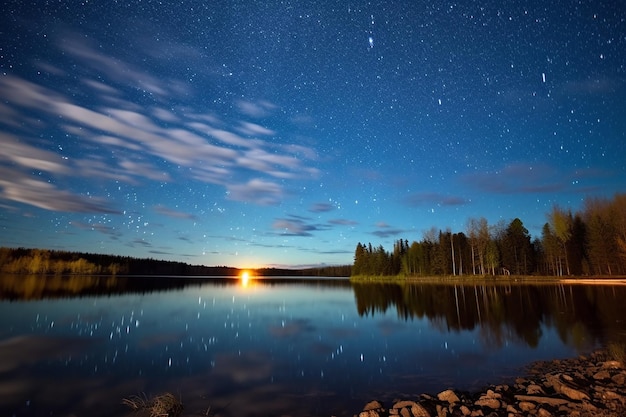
(28, 190)
(425, 199)
(520, 178)
(384, 231)
(173, 213)
(321, 208)
(296, 226)
(251, 168)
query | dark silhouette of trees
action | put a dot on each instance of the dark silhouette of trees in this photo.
(590, 242)
(576, 251)
(49, 262)
(605, 222)
(517, 251)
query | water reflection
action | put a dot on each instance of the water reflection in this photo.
(37, 287)
(580, 314)
(277, 346)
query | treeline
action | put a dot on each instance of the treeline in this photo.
(323, 271)
(589, 242)
(53, 262)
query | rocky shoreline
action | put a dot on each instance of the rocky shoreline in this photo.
(591, 385)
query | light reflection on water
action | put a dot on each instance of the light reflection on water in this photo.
(285, 348)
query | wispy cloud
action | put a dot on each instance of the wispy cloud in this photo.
(253, 129)
(22, 188)
(423, 199)
(321, 207)
(116, 69)
(140, 242)
(173, 213)
(343, 222)
(520, 178)
(15, 152)
(252, 168)
(262, 192)
(384, 230)
(256, 109)
(296, 226)
(97, 227)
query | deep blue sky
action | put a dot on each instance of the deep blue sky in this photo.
(253, 133)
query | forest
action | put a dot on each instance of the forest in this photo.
(54, 262)
(591, 242)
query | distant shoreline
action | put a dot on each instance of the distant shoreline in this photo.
(489, 279)
(596, 281)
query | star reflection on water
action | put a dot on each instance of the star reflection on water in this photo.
(266, 346)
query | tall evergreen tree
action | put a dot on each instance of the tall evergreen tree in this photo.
(359, 260)
(602, 245)
(516, 249)
(551, 251)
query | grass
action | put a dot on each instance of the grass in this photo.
(456, 279)
(489, 279)
(163, 405)
(617, 351)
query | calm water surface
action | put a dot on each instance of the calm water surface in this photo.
(279, 347)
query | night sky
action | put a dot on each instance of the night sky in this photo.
(266, 133)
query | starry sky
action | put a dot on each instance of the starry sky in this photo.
(282, 133)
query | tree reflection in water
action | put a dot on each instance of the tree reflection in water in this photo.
(581, 314)
(265, 348)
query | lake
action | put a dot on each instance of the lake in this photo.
(280, 346)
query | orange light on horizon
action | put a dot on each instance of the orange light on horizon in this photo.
(245, 278)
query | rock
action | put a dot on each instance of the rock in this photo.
(619, 379)
(562, 388)
(404, 404)
(492, 403)
(416, 410)
(373, 405)
(542, 400)
(589, 407)
(611, 395)
(419, 411)
(573, 394)
(542, 412)
(526, 406)
(612, 365)
(590, 387)
(490, 399)
(448, 396)
(492, 394)
(604, 374)
(533, 389)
